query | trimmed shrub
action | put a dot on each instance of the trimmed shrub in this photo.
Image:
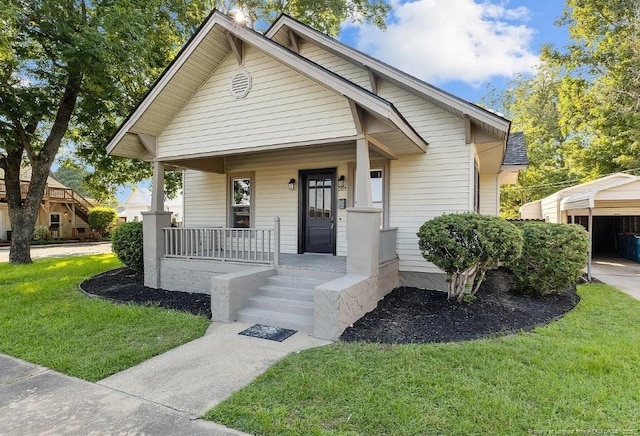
(466, 246)
(127, 243)
(553, 258)
(40, 233)
(100, 218)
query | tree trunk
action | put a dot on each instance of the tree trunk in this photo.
(23, 214)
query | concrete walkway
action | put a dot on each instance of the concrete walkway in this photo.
(622, 273)
(162, 396)
(72, 249)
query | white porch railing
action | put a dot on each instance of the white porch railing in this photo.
(224, 244)
(388, 238)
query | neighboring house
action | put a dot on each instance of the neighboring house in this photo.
(140, 201)
(62, 210)
(304, 154)
(607, 207)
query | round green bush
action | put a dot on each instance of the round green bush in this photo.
(466, 246)
(100, 218)
(40, 233)
(127, 244)
(553, 257)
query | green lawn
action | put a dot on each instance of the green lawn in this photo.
(579, 373)
(46, 319)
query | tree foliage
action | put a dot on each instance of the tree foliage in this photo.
(71, 70)
(581, 110)
(100, 218)
(466, 246)
(72, 175)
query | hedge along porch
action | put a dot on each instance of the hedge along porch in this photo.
(283, 140)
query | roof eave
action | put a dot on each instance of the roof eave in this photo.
(475, 112)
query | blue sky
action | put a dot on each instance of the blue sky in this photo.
(463, 46)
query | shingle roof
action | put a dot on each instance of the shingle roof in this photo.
(516, 153)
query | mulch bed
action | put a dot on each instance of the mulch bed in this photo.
(406, 315)
(124, 285)
(411, 315)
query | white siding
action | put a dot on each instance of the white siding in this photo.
(424, 186)
(549, 207)
(282, 107)
(336, 64)
(531, 211)
(204, 199)
(489, 194)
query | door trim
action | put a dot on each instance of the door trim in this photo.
(302, 189)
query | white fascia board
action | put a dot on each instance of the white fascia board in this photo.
(163, 81)
(388, 72)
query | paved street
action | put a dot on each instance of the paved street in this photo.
(72, 249)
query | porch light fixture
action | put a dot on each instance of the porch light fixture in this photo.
(341, 183)
(292, 184)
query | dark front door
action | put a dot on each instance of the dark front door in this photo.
(317, 211)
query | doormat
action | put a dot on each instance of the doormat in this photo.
(268, 332)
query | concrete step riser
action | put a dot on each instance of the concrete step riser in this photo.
(286, 293)
(253, 316)
(282, 306)
(293, 282)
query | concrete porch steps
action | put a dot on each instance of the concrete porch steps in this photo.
(283, 301)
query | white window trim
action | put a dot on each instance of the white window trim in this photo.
(252, 196)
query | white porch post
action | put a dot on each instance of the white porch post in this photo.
(363, 220)
(153, 222)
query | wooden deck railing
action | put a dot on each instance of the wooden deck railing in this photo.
(224, 244)
(52, 193)
(388, 240)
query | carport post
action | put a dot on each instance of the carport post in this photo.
(590, 243)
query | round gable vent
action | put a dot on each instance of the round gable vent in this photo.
(241, 84)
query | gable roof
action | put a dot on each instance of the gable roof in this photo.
(487, 120)
(195, 61)
(25, 176)
(516, 153)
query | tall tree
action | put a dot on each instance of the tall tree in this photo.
(72, 69)
(600, 94)
(533, 105)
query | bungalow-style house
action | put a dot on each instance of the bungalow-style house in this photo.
(139, 200)
(608, 208)
(62, 210)
(308, 168)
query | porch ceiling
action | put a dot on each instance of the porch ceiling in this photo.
(218, 163)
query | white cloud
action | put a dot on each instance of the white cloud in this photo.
(447, 40)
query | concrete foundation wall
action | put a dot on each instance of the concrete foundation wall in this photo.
(193, 275)
(231, 292)
(341, 302)
(437, 281)
(388, 278)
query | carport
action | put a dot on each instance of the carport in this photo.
(608, 208)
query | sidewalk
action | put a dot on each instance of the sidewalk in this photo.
(71, 249)
(164, 395)
(37, 400)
